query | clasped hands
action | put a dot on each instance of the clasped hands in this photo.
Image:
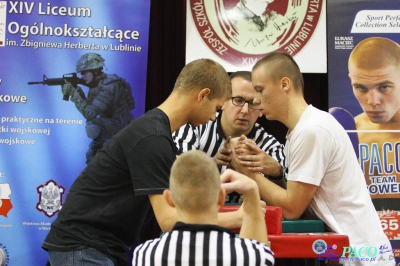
(246, 157)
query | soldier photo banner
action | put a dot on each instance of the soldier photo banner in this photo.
(237, 33)
(73, 73)
(364, 95)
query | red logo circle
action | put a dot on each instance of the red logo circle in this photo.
(242, 32)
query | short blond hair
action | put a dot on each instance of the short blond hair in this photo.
(375, 52)
(194, 181)
(282, 65)
(204, 73)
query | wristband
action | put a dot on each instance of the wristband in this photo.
(281, 174)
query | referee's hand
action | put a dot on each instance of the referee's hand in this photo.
(223, 156)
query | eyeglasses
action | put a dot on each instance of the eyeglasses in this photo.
(239, 101)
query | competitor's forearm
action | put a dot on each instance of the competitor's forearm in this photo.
(253, 225)
(274, 195)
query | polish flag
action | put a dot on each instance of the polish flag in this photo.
(5, 201)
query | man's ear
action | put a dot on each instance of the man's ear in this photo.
(285, 83)
(168, 198)
(203, 93)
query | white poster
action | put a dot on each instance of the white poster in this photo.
(237, 33)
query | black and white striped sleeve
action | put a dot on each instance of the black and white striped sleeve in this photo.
(270, 145)
(186, 138)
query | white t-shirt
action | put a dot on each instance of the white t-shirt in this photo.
(319, 152)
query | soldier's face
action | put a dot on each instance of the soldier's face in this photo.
(87, 76)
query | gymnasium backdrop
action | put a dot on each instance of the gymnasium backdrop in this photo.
(349, 22)
(42, 137)
(229, 33)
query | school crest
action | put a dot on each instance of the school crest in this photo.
(50, 198)
(241, 32)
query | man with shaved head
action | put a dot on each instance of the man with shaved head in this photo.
(323, 170)
(374, 72)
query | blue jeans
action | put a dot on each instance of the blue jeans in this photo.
(82, 257)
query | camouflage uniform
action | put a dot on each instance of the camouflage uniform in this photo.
(107, 106)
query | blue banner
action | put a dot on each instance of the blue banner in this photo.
(43, 138)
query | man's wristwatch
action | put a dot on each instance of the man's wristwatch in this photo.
(279, 177)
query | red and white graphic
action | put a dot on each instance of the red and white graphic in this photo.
(390, 223)
(241, 32)
(5, 200)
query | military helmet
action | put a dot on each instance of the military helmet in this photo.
(89, 61)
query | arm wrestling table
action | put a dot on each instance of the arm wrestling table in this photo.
(306, 238)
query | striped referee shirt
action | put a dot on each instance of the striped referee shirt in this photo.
(210, 138)
(201, 245)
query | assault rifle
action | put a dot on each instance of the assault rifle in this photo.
(70, 77)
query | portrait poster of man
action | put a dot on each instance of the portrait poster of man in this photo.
(364, 95)
(237, 33)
